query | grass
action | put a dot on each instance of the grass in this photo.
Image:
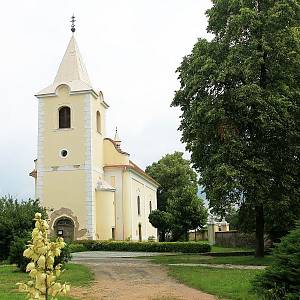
(200, 259)
(230, 284)
(224, 283)
(76, 275)
(220, 249)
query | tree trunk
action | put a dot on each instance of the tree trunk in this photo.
(195, 234)
(259, 232)
(163, 236)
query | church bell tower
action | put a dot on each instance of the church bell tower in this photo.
(71, 129)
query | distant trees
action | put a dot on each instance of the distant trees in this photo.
(16, 220)
(179, 207)
(240, 104)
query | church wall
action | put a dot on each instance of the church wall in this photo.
(59, 192)
(105, 214)
(127, 207)
(71, 138)
(137, 190)
(147, 192)
(150, 195)
(97, 145)
(112, 156)
(114, 177)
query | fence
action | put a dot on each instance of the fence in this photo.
(234, 238)
(200, 235)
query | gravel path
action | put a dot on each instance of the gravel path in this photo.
(121, 276)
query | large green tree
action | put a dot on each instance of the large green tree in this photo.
(239, 98)
(179, 207)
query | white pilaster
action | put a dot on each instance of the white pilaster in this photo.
(40, 151)
(90, 195)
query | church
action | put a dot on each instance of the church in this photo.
(89, 185)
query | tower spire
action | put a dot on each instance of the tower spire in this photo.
(117, 139)
(72, 70)
(73, 20)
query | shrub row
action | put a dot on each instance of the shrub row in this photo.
(76, 247)
(183, 247)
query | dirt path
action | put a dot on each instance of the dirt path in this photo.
(129, 279)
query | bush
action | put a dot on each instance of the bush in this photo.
(77, 247)
(281, 280)
(183, 247)
(65, 256)
(17, 247)
(16, 219)
(151, 238)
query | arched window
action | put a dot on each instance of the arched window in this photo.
(65, 117)
(98, 122)
(150, 206)
(139, 205)
(64, 221)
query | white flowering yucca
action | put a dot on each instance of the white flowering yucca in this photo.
(43, 274)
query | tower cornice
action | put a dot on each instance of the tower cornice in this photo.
(92, 92)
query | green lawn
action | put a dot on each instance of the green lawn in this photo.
(76, 275)
(219, 249)
(200, 259)
(216, 248)
(224, 283)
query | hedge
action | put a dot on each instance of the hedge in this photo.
(76, 247)
(183, 247)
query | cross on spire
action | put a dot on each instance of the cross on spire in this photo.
(73, 20)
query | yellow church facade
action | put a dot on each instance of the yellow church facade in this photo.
(91, 188)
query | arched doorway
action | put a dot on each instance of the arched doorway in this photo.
(64, 227)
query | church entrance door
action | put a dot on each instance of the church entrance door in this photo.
(64, 227)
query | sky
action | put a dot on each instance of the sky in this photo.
(131, 49)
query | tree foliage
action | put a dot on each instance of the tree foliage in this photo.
(16, 220)
(232, 217)
(281, 280)
(179, 207)
(240, 102)
(17, 247)
(161, 220)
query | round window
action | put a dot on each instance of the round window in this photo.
(63, 153)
